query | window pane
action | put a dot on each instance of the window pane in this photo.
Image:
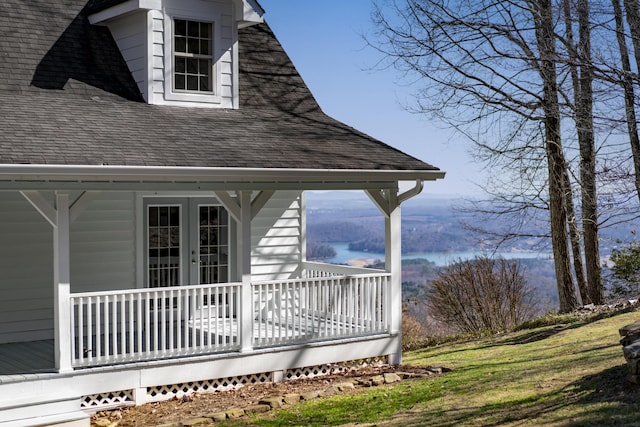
(163, 245)
(204, 67)
(192, 82)
(180, 27)
(180, 44)
(180, 81)
(204, 84)
(204, 47)
(192, 66)
(153, 216)
(193, 46)
(193, 29)
(181, 65)
(164, 217)
(174, 212)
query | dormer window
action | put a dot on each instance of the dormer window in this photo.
(181, 52)
(192, 56)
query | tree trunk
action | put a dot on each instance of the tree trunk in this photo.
(627, 85)
(555, 157)
(586, 140)
(574, 228)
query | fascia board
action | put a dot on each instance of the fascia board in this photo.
(124, 9)
(249, 13)
(191, 174)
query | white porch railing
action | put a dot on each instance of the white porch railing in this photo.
(146, 324)
(332, 302)
(323, 308)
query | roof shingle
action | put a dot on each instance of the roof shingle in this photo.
(67, 97)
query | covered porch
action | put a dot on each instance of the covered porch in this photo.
(277, 316)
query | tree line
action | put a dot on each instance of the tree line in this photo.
(545, 92)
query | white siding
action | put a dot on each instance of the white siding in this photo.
(275, 238)
(103, 244)
(157, 41)
(226, 60)
(130, 34)
(26, 271)
(102, 258)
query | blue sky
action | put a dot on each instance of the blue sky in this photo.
(324, 40)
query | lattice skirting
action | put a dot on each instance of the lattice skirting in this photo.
(165, 392)
(112, 399)
(159, 393)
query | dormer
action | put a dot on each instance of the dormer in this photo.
(181, 52)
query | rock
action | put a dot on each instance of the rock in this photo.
(102, 422)
(310, 395)
(257, 409)
(273, 402)
(329, 391)
(292, 398)
(630, 329)
(631, 351)
(377, 380)
(234, 414)
(170, 425)
(630, 339)
(217, 416)
(196, 421)
(634, 366)
(344, 386)
(405, 375)
(390, 378)
(439, 369)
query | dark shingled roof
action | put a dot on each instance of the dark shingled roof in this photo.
(67, 98)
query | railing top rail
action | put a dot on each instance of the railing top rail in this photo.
(339, 268)
(320, 279)
(152, 290)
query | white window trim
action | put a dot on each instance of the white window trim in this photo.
(185, 96)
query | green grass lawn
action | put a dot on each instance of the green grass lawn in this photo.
(570, 374)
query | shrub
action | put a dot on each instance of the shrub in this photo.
(481, 295)
(626, 270)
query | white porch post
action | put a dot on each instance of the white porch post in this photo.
(393, 263)
(244, 272)
(61, 289)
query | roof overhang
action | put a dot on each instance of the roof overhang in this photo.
(123, 9)
(145, 178)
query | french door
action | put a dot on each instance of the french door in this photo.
(187, 242)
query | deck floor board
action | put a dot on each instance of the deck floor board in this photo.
(26, 358)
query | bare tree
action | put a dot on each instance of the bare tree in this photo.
(490, 62)
(626, 82)
(581, 72)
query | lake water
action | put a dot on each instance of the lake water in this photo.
(344, 255)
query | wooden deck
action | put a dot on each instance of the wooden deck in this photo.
(26, 360)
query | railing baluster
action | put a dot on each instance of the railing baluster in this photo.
(80, 305)
(147, 323)
(171, 326)
(163, 321)
(179, 320)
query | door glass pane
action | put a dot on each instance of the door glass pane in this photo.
(214, 249)
(163, 243)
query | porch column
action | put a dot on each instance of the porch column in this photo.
(61, 289)
(244, 272)
(393, 264)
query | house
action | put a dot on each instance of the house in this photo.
(154, 156)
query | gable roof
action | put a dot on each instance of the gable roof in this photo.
(67, 98)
